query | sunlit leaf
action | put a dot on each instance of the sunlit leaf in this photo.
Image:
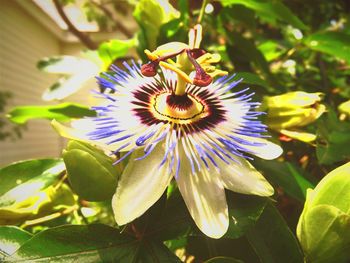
(60, 112)
(45, 171)
(29, 190)
(271, 50)
(11, 238)
(334, 43)
(113, 49)
(150, 15)
(90, 243)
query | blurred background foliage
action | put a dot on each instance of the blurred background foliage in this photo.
(295, 56)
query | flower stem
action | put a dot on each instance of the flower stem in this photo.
(201, 12)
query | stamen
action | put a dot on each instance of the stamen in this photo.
(201, 78)
(150, 69)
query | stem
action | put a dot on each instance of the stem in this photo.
(201, 12)
(50, 217)
(109, 14)
(84, 38)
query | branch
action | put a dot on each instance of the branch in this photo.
(84, 38)
(108, 13)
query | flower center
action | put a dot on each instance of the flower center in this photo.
(183, 109)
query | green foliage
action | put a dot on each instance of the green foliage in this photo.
(334, 43)
(334, 140)
(293, 56)
(11, 238)
(114, 49)
(272, 12)
(93, 243)
(31, 189)
(60, 112)
(271, 235)
(286, 175)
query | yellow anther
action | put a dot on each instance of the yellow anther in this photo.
(217, 73)
(209, 58)
(150, 55)
(179, 72)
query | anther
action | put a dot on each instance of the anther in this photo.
(150, 69)
(201, 79)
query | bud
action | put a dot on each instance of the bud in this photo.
(289, 111)
(323, 227)
(344, 108)
(90, 172)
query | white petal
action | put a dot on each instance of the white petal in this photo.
(266, 150)
(244, 178)
(140, 186)
(205, 198)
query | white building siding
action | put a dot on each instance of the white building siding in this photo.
(23, 41)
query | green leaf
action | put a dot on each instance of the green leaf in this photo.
(30, 190)
(44, 172)
(60, 112)
(334, 43)
(150, 15)
(223, 260)
(253, 79)
(271, 11)
(333, 144)
(271, 50)
(90, 172)
(286, 175)
(90, 243)
(174, 220)
(11, 238)
(239, 13)
(244, 51)
(272, 240)
(113, 49)
(244, 212)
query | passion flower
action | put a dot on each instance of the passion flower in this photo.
(174, 121)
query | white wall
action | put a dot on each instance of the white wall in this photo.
(23, 41)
